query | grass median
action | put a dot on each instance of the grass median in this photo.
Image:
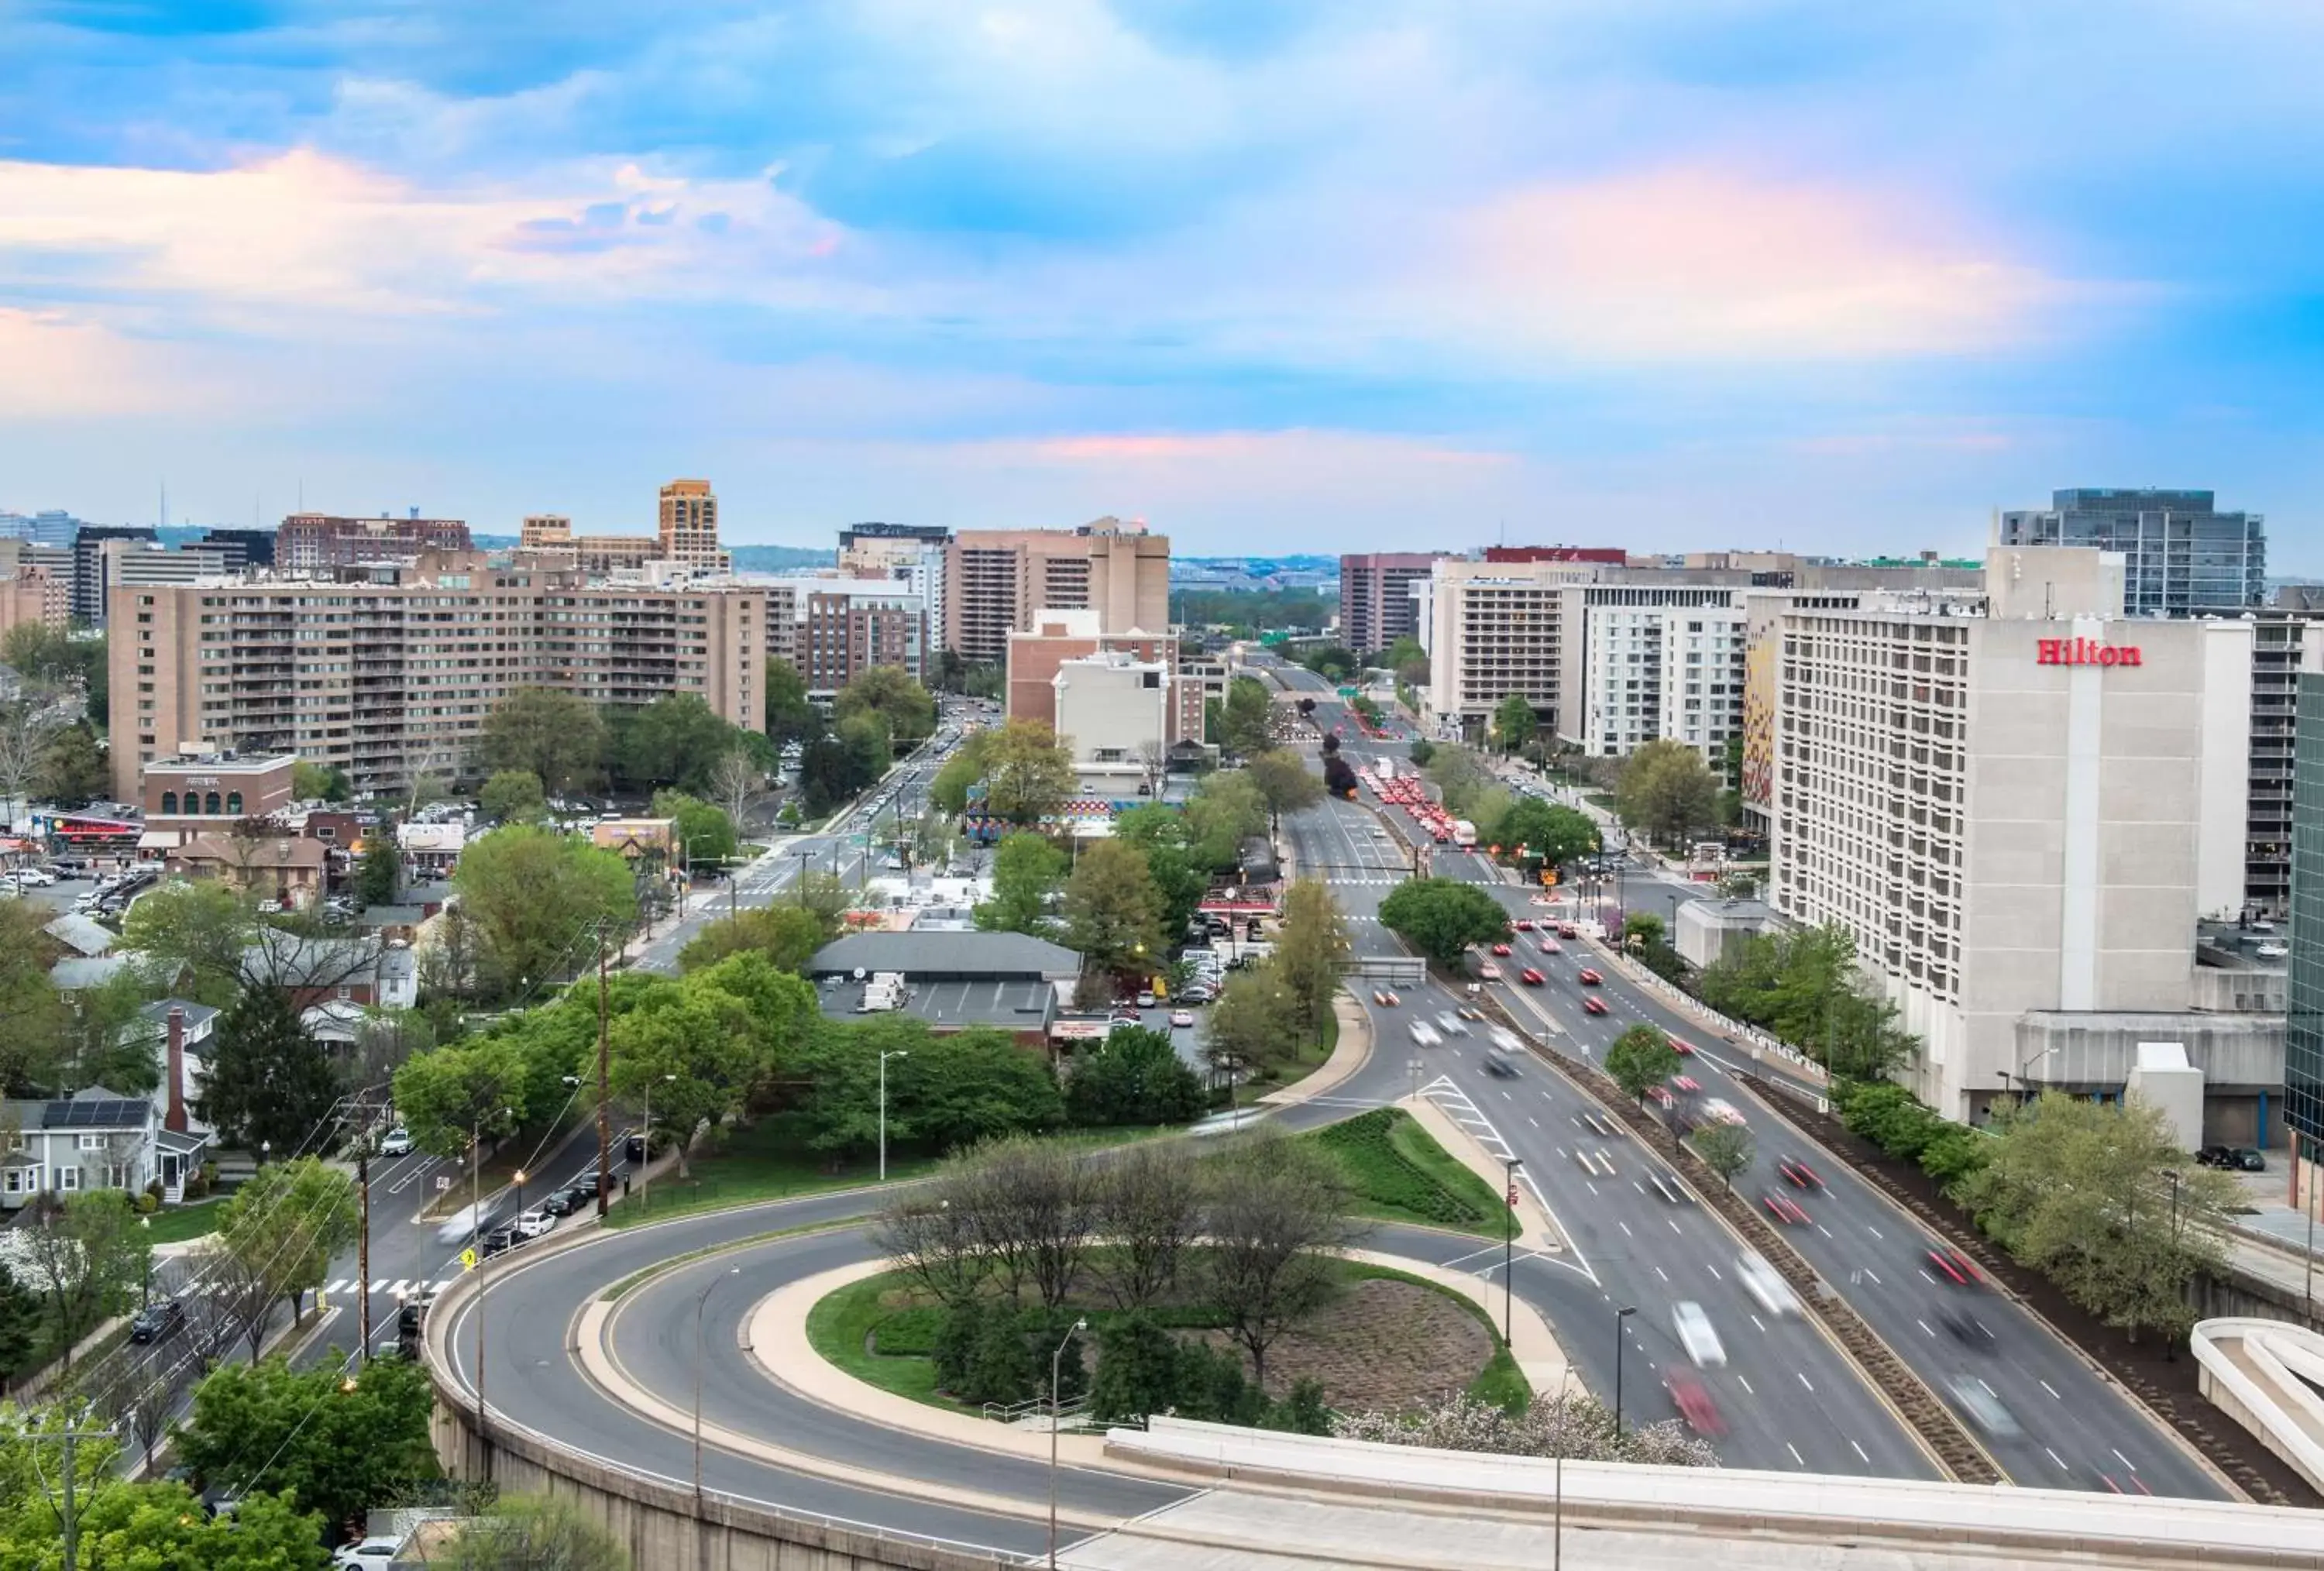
(1401, 1174)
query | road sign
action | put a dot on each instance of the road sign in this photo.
(467, 1260)
(443, 1182)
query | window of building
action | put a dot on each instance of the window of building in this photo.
(67, 1180)
(168, 802)
(213, 803)
(234, 803)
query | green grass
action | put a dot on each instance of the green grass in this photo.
(1400, 1174)
(177, 1223)
(842, 1328)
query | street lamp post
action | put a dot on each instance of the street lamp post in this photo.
(1620, 1336)
(1557, 1539)
(899, 1053)
(1509, 1249)
(700, 1300)
(1057, 1360)
(645, 1150)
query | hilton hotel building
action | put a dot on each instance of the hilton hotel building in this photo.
(2019, 803)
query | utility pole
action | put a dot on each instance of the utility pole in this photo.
(363, 1243)
(604, 1081)
(70, 1514)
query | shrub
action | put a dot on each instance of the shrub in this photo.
(954, 1349)
(1137, 1370)
(1001, 1362)
(147, 1204)
(1389, 1177)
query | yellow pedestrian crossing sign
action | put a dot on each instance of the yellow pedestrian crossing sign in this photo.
(467, 1260)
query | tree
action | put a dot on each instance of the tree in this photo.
(72, 771)
(1334, 663)
(20, 1322)
(1310, 947)
(705, 834)
(1421, 750)
(86, 1260)
(673, 741)
(1640, 1058)
(736, 781)
(534, 1533)
(1112, 912)
(1180, 883)
(157, 1525)
(2101, 1199)
(537, 897)
(790, 716)
(944, 1093)
(688, 1049)
(27, 726)
(1284, 781)
(891, 693)
(1036, 1208)
(831, 772)
(1803, 987)
(1150, 1213)
(786, 935)
(1276, 1212)
(287, 1222)
(1028, 772)
(513, 796)
(555, 737)
(270, 1083)
(1027, 872)
(458, 1090)
(1242, 726)
(1726, 1149)
(1254, 1022)
(1667, 792)
(1514, 723)
(1442, 917)
(341, 1442)
(312, 782)
(198, 925)
(1554, 834)
(33, 1014)
(379, 876)
(1225, 810)
(1134, 1076)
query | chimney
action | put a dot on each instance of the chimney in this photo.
(175, 1117)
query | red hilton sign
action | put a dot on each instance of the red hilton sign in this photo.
(2084, 652)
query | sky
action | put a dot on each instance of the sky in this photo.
(1273, 275)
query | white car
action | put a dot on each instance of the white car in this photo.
(1505, 1038)
(1145, 1000)
(534, 1222)
(1765, 1284)
(1696, 1336)
(369, 1554)
(1181, 1018)
(1425, 1035)
(395, 1142)
(2272, 950)
(1451, 1024)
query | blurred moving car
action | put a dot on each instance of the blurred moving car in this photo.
(1594, 1004)
(1181, 1017)
(1500, 948)
(1693, 1398)
(1587, 977)
(1531, 977)
(1451, 1024)
(1499, 1065)
(1951, 1265)
(1983, 1406)
(1798, 1175)
(1784, 1208)
(1384, 998)
(1696, 1336)
(1425, 1035)
(1765, 1284)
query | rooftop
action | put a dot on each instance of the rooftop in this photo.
(925, 955)
(955, 1005)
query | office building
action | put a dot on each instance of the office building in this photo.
(137, 561)
(1651, 662)
(53, 527)
(2303, 1045)
(914, 553)
(89, 579)
(244, 548)
(2020, 812)
(598, 555)
(1057, 637)
(995, 579)
(835, 628)
(2180, 555)
(686, 536)
(1117, 714)
(199, 793)
(310, 541)
(388, 672)
(1378, 603)
(1499, 629)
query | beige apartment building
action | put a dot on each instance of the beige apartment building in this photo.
(389, 672)
(686, 535)
(995, 579)
(1499, 629)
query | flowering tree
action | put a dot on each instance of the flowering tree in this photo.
(1573, 1425)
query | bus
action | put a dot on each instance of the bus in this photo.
(1464, 834)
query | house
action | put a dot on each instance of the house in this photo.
(283, 870)
(366, 969)
(79, 973)
(430, 850)
(197, 1030)
(952, 980)
(336, 1023)
(81, 934)
(97, 1138)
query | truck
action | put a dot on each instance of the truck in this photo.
(1464, 834)
(1386, 768)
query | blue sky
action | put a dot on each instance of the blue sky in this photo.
(1292, 276)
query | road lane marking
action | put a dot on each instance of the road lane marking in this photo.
(1860, 1451)
(1924, 1325)
(1625, 1227)
(2052, 1390)
(1870, 1276)
(1662, 1273)
(1760, 1323)
(2127, 1462)
(1872, 1230)
(1714, 1270)
(1796, 1454)
(2058, 1460)
(1746, 1385)
(1803, 1379)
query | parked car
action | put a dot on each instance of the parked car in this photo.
(158, 1321)
(367, 1555)
(499, 1241)
(2236, 1158)
(532, 1223)
(561, 1203)
(1146, 998)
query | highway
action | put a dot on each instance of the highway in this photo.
(2073, 1427)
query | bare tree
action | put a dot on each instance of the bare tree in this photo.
(934, 1243)
(734, 782)
(27, 726)
(1153, 763)
(1150, 1211)
(1276, 1210)
(242, 1294)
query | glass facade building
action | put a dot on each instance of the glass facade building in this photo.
(2303, 1047)
(2182, 556)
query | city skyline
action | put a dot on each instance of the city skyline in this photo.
(1315, 279)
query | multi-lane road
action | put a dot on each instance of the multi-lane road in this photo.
(2047, 1416)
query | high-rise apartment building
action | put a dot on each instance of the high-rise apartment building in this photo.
(690, 524)
(1378, 601)
(1500, 629)
(88, 576)
(2180, 555)
(2020, 815)
(1650, 661)
(834, 628)
(995, 579)
(389, 672)
(597, 554)
(310, 541)
(2303, 1045)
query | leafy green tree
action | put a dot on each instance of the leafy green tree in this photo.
(1224, 810)
(164, 1525)
(201, 926)
(1310, 947)
(1139, 1369)
(1333, 662)
(461, 1088)
(337, 1441)
(1027, 872)
(691, 1049)
(534, 1533)
(1179, 884)
(536, 898)
(286, 1223)
(1253, 1025)
(1803, 987)
(1112, 912)
(555, 737)
(831, 772)
(1242, 727)
(1554, 834)
(1134, 1076)
(33, 1016)
(1442, 917)
(892, 693)
(1028, 772)
(1150, 824)
(1284, 781)
(948, 1092)
(1514, 723)
(787, 935)
(513, 796)
(677, 741)
(869, 747)
(1667, 792)
(20, 1324)
(1726, 1149)
(378, 875)
(1421, 750)
(88, 1259)
(311, 782)
(72, 771)
(790, 716)
(1641, 1059)
(706, 833)
(270, 1083)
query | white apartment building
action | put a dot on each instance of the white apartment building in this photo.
(1114, 710)
(1500, 628)
(1651, 662)
(2019, 808)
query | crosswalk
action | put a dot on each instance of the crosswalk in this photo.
(395, 1287)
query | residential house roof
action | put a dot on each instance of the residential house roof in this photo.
(295, 960)
(925, 955)
(81, 933)
(197, 1014)
(76, 973)
(277, 850)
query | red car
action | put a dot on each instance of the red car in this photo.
(1550, 946)
(1784, 1208)
(1686, 1083)
(1685, 1049)
(1692, 1400)
(1588, 979)
(1953, 1266)
(1500, 948)
(1531, 977)
(1568, 930)
(1594, 1004)
(1661, 1093)
(1490, 972)
(1525, 924)
(1798, 1175)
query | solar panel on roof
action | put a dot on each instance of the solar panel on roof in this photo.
(98, 1114)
